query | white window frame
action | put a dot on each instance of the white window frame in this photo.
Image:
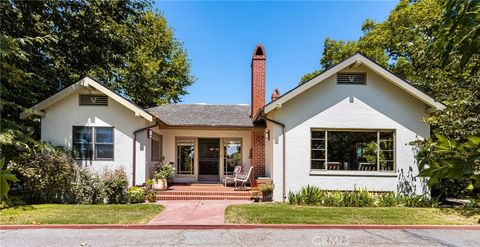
(378, 131)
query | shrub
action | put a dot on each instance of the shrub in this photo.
(293, 198)
(88, 188)
(267, 191)
(388, 200)
(152, 196)
(136, 194)
(358, 198)
(46, 176)
(311, 195)
(116, 183)
(333, 199)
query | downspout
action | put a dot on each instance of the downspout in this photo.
(135, 149)
(284, 139)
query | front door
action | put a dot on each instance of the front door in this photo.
(208, 159)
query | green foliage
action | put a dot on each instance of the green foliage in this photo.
(267, 191)
(388, 200)
(88, 187)
(450, 159)
(116, 183)
(152, 196)
(6, 177)
(163, 170)
(411, 41)
(358, 198)
(460, 30)
(48, 45)
(311, 195)
(136, 194)
(46, 175)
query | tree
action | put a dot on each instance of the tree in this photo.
(460, 30)
(406, 43)
(451, 159)
(48, 45)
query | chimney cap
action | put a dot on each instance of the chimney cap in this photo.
(259, 52)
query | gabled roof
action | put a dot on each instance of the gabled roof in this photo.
(357, 59)
(84, 83)
(203, 115)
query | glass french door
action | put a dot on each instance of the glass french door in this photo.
(232, 155)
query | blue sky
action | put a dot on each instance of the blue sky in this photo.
(220, 38)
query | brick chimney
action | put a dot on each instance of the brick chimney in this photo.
(258, 101)
(258, 79)
(276, 94)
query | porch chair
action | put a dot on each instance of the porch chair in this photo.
(242, 179)
(236, 171)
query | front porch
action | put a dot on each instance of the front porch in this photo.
(203, 191)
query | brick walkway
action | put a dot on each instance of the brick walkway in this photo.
(193, 212)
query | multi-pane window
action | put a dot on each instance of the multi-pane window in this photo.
(232, 150)
(352, 150)
(318, 149)
(93, 143)
(185, 156)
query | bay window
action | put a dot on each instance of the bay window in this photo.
(365, 150)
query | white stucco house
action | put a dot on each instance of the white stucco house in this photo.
(347, 128)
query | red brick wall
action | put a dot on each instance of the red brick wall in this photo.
(258, 101)
(258, 151)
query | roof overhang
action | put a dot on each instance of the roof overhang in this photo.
(352, 62)
(86, 82)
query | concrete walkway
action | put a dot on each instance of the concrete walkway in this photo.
(193, 212)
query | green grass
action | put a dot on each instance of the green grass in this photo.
(288, 214)
(80, 214)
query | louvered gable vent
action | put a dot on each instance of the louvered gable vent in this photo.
(351, 78)
(93, 100)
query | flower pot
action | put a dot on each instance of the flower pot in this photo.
(268, 198)
(160, 184)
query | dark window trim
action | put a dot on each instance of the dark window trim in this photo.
(94, 141)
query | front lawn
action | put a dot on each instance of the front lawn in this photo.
(80, 214)
(288, 214)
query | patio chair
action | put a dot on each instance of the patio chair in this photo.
(242, 179)
(236, 171)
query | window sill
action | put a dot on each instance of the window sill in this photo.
(353, 173)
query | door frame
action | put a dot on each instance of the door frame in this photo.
(220, 155)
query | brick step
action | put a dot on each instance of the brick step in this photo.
(197, 197)
(203, 193)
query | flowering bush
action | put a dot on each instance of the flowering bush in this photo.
(136, 194)
(88, 188)
(46, 175)
(116, 183)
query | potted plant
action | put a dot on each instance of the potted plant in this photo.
(162, 172)
(151, 196)
(149, 183)
(255, 194)
(267, 192)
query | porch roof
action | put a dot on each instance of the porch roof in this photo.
(203, 115)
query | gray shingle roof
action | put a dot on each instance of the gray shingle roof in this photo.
(203, 115)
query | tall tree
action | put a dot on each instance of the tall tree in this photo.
(406, 44)
(48, 45)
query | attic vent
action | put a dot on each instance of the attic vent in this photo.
(99, 100)
(351, 78)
